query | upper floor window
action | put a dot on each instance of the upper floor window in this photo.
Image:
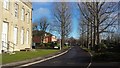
(16, 9)
(28, 16)
(6, 4)
(23, 14)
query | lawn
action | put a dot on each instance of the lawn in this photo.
(22, 55)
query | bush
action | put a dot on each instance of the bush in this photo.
(100, 47)
(103, 47)
(107, 56)
(51, 45)
(48, 45)
(99, 57)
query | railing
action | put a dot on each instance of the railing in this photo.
(13, 47)
(4, 46)
(8, 47)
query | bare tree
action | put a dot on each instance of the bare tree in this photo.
(34, 26)
(62, 20)
(100, 16)
(35, 29)
(83, 30)
(43, 25)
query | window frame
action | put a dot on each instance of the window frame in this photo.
(28, 16)
(6, 4)
(16, 36)
(23, 14)
(16, 10)
(22, 36)
(27, 37)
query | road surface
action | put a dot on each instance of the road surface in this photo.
(74, 57)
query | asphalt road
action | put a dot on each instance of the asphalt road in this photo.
(74, 57)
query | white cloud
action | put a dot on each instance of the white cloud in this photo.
(40, 12)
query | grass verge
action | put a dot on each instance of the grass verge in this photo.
(22, 55)
(66, 47)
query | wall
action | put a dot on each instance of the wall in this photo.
(9, 17)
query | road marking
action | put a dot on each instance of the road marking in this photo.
(28, 64)
(89, 65)
(90, 61)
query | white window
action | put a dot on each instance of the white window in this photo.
(15, 35)
(16, 9)
(28, 16)
(6, 4)
(22, 36)
(23, 14)
(27, 37)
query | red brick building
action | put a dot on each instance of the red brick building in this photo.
(48, 39)
(37, 37)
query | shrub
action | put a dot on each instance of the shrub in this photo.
(100, 47)
(107, 56)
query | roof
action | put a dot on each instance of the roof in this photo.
(40, 33)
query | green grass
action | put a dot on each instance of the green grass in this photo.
(22, 55)
(86, 49)
(65, 47)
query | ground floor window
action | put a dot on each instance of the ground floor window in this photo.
(15, 35)
(22, 36)
(27, 37)
(4, 36)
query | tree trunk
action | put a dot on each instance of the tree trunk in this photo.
(97, 23)
(91, 44)
(88, 35)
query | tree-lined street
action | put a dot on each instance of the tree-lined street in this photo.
(80, 34)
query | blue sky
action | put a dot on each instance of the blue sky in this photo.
(41, 9)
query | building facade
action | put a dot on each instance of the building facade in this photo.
(15, 25)
(48, 39)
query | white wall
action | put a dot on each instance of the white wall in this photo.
(54, 38)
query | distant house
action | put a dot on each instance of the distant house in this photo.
(37, 37)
